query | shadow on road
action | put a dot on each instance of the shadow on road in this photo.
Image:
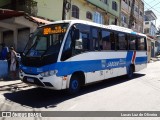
(38, 97)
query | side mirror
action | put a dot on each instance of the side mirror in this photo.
(76, 34)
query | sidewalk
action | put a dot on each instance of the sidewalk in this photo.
(11, 82)
(13, 85)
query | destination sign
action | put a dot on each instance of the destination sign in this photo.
(54, 30)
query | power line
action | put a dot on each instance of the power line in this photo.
(155, 5)
(151, 1)
(152, 8)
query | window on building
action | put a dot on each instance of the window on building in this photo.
(123, 18)
(146, 23)
(89, 15)
(129, 3)
(141, 13)
(136, 9)
(104, 1)
(146, 30)
(116, 21)
(98, 18)
(75, 11)
(114, 5)
(125, 1)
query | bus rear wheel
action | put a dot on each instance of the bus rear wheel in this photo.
(74, 85)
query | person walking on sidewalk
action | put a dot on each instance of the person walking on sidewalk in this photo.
(13, 63)
(4, 51)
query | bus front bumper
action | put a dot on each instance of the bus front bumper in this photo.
(51, 82)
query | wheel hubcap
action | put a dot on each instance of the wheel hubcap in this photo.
(74, 84)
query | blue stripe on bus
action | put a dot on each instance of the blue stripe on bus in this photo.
(129, 57)
(67, 68)
(141, 60)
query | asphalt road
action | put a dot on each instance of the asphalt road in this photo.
(142, 93)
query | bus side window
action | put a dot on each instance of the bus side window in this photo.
(132, 42)
(106, 43)
(82, 44)
(140, 43)
(112, 39)
(127, 37)
(95, 39)
(122, 42)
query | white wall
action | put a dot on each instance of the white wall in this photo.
(23, 37)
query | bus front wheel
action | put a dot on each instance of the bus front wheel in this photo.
(74, 85)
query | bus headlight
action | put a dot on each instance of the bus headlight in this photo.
(49, 73)
(20, 71)
(42, 74)
(53, 72)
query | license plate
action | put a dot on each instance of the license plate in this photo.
(30, 80)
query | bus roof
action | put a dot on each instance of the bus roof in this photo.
(110, 27)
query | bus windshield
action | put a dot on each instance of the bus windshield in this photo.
(46, 40)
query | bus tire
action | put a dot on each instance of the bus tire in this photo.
(74, 85)
(130, 72)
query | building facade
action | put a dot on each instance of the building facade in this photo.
(150, 30)
(111, 11)
(99, 11)
(16, 25)
(138, 14)
(150, 23)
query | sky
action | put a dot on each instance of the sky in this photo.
(153, 5)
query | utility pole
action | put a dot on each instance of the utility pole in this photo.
(132, 18)
(66, 8)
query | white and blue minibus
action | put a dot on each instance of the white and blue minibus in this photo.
(71, 53)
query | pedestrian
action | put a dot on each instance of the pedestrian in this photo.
(4, 52)
(9, 60)
(13, 63)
